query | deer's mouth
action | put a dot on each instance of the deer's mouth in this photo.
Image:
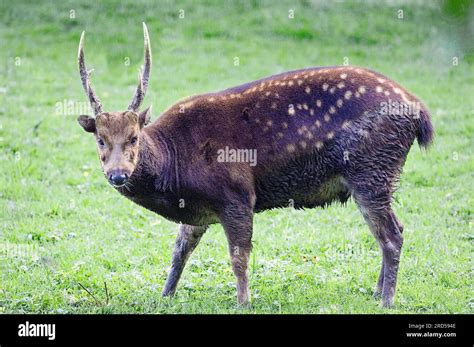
(118, 178)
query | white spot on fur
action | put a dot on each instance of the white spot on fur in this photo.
(347, 95)
(346, 124)
(290, 148)
(188, 104)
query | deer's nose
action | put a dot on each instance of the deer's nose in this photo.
(118, 178)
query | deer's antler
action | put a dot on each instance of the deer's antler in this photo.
(143, 75)
(86, 83)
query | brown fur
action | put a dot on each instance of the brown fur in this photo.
(321, 136)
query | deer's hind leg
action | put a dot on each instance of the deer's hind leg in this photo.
(375, 206)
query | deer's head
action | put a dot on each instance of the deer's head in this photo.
(117, 133)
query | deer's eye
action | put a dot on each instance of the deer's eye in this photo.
(101, 142)
(133, 140)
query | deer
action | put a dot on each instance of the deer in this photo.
(320, 135)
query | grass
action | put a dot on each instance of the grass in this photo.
(76, 230)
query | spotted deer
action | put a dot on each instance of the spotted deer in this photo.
(320, 135)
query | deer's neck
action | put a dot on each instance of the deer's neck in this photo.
(157, 169)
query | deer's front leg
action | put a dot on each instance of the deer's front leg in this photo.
(187, 240)
(237, 224)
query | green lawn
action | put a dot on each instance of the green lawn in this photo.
(63, 226)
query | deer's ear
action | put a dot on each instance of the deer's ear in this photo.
(87, 122)
(144, 117)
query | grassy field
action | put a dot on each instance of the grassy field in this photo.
(63, 227)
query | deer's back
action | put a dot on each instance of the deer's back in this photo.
(306, 127)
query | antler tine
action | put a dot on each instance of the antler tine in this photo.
(143, 75)
(94, 100)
